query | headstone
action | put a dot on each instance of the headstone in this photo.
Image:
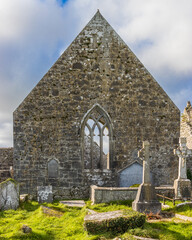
(44, 194)
(9, 195)
(182, 185)
(146, 200)
(52, 169)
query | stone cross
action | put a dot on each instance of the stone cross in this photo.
(182, 152)
(144, 155)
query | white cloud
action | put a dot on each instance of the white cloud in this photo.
(181, 97)
(6, 129)
(166, 25)
(33, 34)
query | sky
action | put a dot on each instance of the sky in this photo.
(34, 33)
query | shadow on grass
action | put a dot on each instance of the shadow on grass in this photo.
(33, 235)
(168, 230)
(123, 202)
(30, 206)
(2, 214)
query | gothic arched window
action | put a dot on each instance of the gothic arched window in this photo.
(97, 139)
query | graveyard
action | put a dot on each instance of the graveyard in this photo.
(100, 150)
(68, 223)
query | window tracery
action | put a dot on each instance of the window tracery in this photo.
(97, 136)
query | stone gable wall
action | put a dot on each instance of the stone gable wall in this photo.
(97, 68)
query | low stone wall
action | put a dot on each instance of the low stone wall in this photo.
(107, 194)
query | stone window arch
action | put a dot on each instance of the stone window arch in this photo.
(96, 131)
(53, 168)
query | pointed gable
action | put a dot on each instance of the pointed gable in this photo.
(97, 69)
(96, 48)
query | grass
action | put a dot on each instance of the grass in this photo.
(69, 225)
(163, 231)
(183, 210)
(112, 206)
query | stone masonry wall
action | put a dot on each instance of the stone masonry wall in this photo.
(96, 69)
(6, 161)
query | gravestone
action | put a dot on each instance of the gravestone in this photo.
(9, 195)
(52, 169)
(146, 199)
(44, 194)
(182, 185)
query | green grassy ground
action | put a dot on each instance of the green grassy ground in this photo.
(183, 210)
(70, 224)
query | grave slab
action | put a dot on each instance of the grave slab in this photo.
(117, 221)
(74, 203)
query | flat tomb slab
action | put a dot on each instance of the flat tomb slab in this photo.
(116, 221)
(103, 216)
(51, 212)
(74, 203)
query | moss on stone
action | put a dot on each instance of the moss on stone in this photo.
(9, 180)
(123, 220)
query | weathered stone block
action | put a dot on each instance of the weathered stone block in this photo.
(146, 200)
(182, 188)
(9, 195)
(115, 222)
(44, 194)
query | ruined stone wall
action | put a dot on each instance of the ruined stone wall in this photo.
(97, 69)
(6, 158)
(186, 130)
(6, 161)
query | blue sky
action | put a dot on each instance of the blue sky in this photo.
(34, 33)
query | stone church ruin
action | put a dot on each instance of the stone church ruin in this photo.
(86, 119)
